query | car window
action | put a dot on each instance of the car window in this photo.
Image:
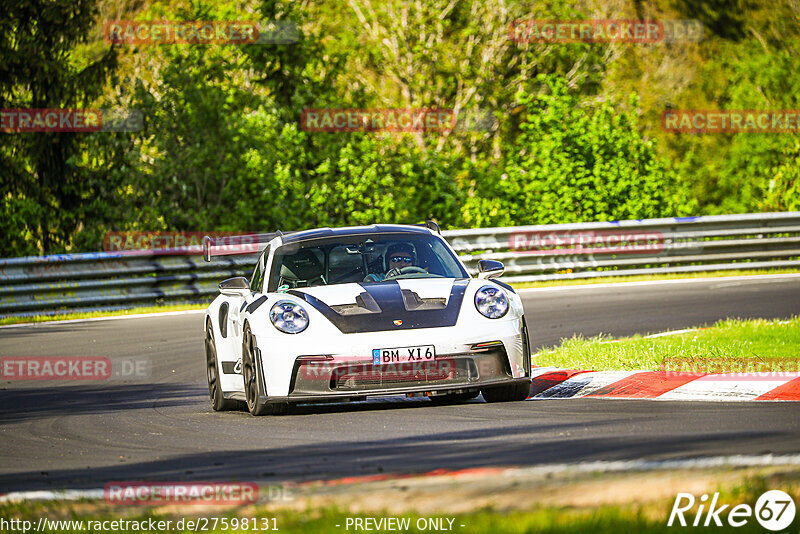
(303, 267)
(441, 259)
(257, 280)
(361, 258)
(344, 267)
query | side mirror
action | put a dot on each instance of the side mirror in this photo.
(235, 287)
(490, 269)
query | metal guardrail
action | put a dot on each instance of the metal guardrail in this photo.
(683, 244)
(103, 280)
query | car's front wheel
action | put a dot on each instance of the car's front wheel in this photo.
(513, 392)
(218, 402)
(252, 379)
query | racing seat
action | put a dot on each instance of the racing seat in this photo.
(303, 269)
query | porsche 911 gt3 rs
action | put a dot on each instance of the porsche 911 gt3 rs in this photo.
(347, 313)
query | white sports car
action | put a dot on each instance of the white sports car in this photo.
(342, 314)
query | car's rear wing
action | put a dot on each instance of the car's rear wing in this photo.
(431, 225)
(227, 245)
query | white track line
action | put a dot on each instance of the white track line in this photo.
(47, 495)
(671, 333)
(109, 318)
(603, 466)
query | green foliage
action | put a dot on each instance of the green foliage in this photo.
(222, 150)
(222, 147)
(373, 180)
(783, 189)
(747, 63)
(575, 163)
(47, 185)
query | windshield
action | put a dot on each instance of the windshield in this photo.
(365, 258)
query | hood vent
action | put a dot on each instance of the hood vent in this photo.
(385, 306)
(365, 303)
(412, 302)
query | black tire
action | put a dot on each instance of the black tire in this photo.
(514, 392)
(452, 398)
(252, 380)
(218, 402)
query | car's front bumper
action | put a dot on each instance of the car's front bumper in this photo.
(464, 370)
(285, 373)
(467, 371)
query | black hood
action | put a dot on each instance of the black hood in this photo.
(380, 306)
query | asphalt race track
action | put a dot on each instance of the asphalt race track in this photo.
(56, 435)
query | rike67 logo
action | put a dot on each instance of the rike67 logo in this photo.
(774, 510)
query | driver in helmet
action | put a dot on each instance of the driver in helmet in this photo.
(398, 256)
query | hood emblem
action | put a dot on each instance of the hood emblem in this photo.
(397, 322)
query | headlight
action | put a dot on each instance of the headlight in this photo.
(491, 302)
(289, 317)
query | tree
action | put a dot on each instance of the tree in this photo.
(47, 187)
(783, 189)
(575, 163)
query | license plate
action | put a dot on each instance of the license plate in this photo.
(420, 353)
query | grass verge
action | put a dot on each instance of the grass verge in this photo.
(91, 315)
(597, 503)
(757, 340)
(650, 278)
(611, 520)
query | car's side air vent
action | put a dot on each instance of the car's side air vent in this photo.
(223, 319)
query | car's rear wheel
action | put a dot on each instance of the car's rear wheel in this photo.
(252, 379)
(513, 392)
(218, 402)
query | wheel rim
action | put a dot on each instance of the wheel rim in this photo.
(211, 366)
(248, 370)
